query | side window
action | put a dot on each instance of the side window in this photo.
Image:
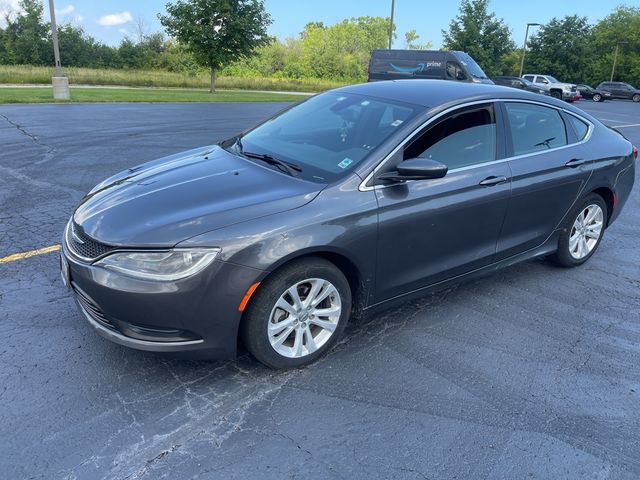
(579, 126)
(528, 77)
(455, 72)
(462, 139)
(535, 128)
(541, 80)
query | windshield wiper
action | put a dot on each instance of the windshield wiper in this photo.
(289, 168)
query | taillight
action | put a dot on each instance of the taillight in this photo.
(635, 152)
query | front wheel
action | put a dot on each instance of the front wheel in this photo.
(582, 232)
(597, 97)
(636, 98)
(297, 314)
(556, 94)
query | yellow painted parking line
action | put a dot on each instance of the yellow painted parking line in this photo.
(30, 253)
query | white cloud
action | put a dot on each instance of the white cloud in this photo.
(8, 7)
(115, 19)
(65, 10)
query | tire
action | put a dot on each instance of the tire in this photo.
(300, 340)
(556, 94)
(636, 98)
(597, 97)
(571, 253)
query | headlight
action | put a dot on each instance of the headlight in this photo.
(164, 266)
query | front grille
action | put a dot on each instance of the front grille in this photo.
(83, 245)
(90, 306)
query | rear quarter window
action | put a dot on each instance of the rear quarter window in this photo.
(580, 127)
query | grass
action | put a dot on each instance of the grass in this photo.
(96, 94)
(27, 74)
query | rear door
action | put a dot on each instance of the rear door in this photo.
(549, 170)
(432, 230)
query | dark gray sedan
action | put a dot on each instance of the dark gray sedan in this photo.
(347, 202)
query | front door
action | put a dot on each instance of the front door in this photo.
(431, 230)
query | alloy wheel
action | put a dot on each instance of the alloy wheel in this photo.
(597, 98)
(586, 231)
(304, 318)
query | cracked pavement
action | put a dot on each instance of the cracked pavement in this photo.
(529, 373)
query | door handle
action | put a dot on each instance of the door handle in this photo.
(575, 162)
(491, 181)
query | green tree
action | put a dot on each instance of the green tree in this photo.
(217, 32)
(28, 34)
(411, 41)
(480, 34)
(342, 50)
(562, 48)
(620, 28)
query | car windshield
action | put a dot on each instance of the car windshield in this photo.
(329, 134)
(472, 67)
(552, 79)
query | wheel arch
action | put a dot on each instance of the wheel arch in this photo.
(354, 274)
(609, 199)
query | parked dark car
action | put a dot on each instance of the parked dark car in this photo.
(517, 82)
(424, 64)
(621, 90)
(347, 202)
(594, 94)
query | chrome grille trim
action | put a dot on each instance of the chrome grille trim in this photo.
(82, 246)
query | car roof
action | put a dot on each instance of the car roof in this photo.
(433, 93)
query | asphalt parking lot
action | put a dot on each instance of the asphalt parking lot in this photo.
(531, 373)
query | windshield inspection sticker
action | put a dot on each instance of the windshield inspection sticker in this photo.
(395, 123)
(345, 163)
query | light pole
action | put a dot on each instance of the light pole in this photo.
(59, 81)
(524, 46)
(615, 59)
(393, 4)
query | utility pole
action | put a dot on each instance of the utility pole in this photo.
(59, 80)
(615, 60)
(524, 46)
(393, 4)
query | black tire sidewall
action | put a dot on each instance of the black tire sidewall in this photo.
(256, 316)
(597, 98)
(563, 256)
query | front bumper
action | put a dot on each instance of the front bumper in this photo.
(571, 96)
(198, 314)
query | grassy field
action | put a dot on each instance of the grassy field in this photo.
(79, 94)
(26, 74)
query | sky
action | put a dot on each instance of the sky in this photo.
(111, 20)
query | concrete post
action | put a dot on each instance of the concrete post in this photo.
(59, 80)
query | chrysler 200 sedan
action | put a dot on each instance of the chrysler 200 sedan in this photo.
(346, 202)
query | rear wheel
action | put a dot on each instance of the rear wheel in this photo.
(597, 97)
(297, 314)
(582, 232)
(636, 98)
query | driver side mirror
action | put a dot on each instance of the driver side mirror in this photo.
(416, 169)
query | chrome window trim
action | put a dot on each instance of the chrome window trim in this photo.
(363, 187)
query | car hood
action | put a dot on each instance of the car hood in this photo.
(164, 202)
